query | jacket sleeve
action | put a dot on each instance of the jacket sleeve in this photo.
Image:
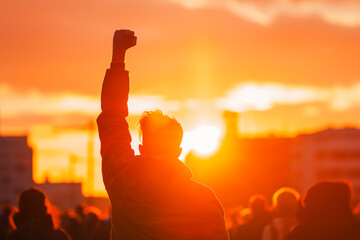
(113, 129)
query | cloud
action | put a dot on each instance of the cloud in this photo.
(346, 13)
(245, 97)
(262, 97)
(33, 102)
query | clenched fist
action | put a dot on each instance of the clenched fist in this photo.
(123, 40)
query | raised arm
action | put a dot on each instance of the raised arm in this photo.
(114, 132)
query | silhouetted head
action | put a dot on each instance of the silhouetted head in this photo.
(328, 199)
(159, 135)
(92, 217)
(258, 204)
(6, 213)
(80, 209)
(286, 202)
(32, 202)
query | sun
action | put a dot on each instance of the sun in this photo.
(204, 140)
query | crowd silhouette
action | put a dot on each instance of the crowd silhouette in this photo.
(36, 218)
(153, 195)
(323, 213)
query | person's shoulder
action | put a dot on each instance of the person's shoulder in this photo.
(204, 192)
(12, 235)
(297, 233)
(266, 234)
(353, 229)
(202, 187)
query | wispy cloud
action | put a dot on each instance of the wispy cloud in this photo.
(262, 97)
(245, 97)
(345, 13)
(34, 102)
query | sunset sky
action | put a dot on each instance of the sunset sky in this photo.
(288, 66)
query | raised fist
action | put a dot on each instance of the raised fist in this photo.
(123, 40)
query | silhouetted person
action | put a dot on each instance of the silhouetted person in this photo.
(90, 226)
(327, 214)
(32, 221)
(152, 195)
(285, 209)
(6, 223)
(103, 231)
(71, 223)
(234, 218)
(259, 218)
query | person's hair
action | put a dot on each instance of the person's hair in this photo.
(160, 132)
(286, 202)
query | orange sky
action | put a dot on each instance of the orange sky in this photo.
(288, 66)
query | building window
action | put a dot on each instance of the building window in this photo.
(338, 155)
(329, 173)
(6, 180)
(23, 166)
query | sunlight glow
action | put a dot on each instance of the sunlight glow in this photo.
(204, 140)
(140, 103)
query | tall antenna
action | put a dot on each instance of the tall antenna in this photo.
(0, 122)
(91, 158)
(72, 167)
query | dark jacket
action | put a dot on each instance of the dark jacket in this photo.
(344, 230)
(151, 198)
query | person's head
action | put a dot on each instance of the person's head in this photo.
(258, 204)
(32, 202)
(286, 202)
(6, 216)
(159, 135)
(328, 199)
(92, 217)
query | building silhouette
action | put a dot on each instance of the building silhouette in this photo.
(16, 174)
(328, 154)
(16, 167)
